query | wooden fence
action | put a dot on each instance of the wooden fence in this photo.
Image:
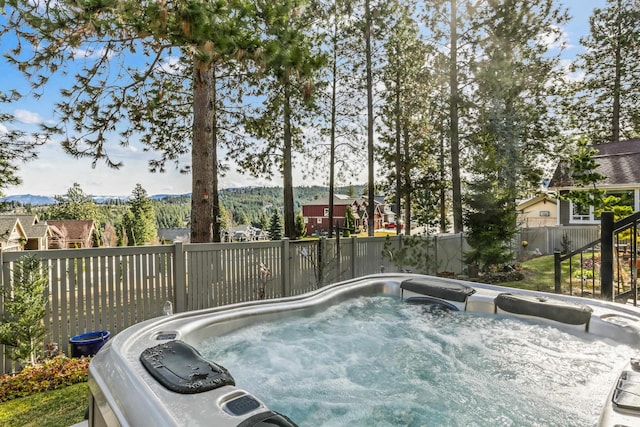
(113, 288)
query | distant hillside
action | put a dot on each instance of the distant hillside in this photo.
(29, 199)
(246, 198)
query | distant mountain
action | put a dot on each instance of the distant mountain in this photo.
(29, 199)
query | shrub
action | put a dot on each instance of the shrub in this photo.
(58, 372)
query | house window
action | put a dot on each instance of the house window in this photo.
(581, 212)
(319, 220)
(326, 212)
(545, 213)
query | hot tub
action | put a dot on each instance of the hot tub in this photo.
(169, 372)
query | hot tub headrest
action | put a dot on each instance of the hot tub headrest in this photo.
(180, 368)
(553, 309)
(439, 289)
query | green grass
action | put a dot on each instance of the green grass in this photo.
(57, 408)
(539, 274)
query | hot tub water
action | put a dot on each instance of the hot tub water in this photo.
(379, 362)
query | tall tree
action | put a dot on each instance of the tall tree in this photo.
(405, 110)
(289, 62)
(341, 107)
(516, 126)
(140, 221)
(606, 106)
(452, 31)
(122, 55)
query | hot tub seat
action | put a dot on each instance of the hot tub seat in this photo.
(180, 368)
(449, 291)
(567, 312)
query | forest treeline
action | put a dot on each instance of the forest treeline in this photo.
(245, 205)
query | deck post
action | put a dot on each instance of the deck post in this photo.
(557, 268)
(606, 256)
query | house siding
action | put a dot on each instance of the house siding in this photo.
(564, 211)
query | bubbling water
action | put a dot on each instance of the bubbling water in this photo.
(378, 362)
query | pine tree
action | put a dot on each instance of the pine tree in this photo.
(149, 93)
(605, 106)
(275, 226)
(140, 221)
(301, 229)
(515, 121)
(74, 205)
(21, 326)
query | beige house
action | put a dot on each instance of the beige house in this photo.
(538, 211)
(37, 232)
(12, 234)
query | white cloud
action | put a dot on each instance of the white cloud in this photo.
(3, 129)
(555, 39)
(91, 53)
(27, 117)
(171, 65)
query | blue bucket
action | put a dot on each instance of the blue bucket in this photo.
(88, 344)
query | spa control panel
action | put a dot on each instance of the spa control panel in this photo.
(241, 405)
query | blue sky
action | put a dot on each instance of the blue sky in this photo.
(54, 172)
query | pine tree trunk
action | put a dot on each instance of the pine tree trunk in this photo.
(371, 208)
(215, 202)
(615, 120)
(202, 156)
(287, 174)
(453, 113)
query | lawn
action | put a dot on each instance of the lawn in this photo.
(57, 408)
(539, 274)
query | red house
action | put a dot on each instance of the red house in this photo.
(316, 213)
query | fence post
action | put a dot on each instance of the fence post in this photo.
(353, 256)
(286, 268)
(606, 255)
(321, 244)
(557, 269)
(179, 278)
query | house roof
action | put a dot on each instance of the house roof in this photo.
(338, 199)
(30, 224)
(75, 229)
(619, 162)
(7, 226)
(532, 201)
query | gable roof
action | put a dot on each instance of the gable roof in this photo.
(619, 162)
(7, 226)
(537, 199)
(75, 229)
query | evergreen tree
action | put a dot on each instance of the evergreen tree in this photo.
(290, 64)
(74, 205)
(516, 126)
(605, 105)
(140, 221)
(349, 221)
(21, 326)
(138, 59)
(301, 229)
(409, 150)
(275, 226)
